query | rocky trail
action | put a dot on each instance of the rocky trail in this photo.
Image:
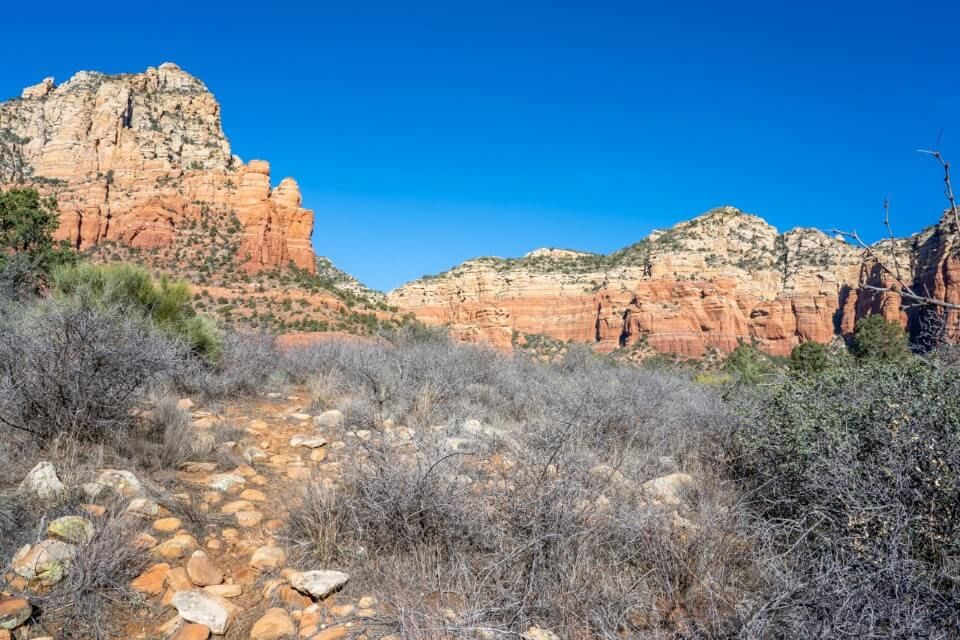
(226, 574)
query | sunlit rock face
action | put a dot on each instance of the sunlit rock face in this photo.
(132, 158)
(713, 282)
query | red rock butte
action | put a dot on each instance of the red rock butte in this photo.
(132, 158)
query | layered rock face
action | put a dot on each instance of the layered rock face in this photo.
(708, 283)
(134, 158)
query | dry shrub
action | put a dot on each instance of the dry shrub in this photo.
(95, 593)
(520, 529)
(76, 371)
(246, 363)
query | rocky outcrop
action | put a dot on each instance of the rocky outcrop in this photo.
(709, 283)
(134, 158)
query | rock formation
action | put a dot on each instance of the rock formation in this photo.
(133, 158)
(708, 283)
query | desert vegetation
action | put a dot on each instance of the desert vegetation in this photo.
(403, 485)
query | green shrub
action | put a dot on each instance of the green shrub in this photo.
(809, 358)
(749, 364)
(855, 476)
(165, 302)
(876, 338)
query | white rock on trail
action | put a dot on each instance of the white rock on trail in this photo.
(203, 607)
(318, 584)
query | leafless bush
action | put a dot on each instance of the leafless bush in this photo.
(95, 590)
(177, 436)
(247, 362)
(67, 369)
(520, 528)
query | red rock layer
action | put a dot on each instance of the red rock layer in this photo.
(132, 158)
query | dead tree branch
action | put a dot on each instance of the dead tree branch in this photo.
(904, 289)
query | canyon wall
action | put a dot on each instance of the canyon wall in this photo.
(708, 283)
(133, 158)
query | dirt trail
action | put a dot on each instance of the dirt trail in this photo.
(241, 556)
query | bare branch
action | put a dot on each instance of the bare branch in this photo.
(948, 186)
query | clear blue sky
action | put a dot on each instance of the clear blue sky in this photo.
(426, 133)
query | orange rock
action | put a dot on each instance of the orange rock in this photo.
(201, 571)
(275, 624)
(293, 598)
(152, 580)
(333, 633)
(166, 525)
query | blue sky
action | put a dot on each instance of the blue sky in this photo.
(426, 133)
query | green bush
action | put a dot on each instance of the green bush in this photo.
(165, 302)
(876, 338)
(809, 358)
(855, 476)
(749, 364)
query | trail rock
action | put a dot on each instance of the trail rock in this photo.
(73, 529)
(224, 481)
(192, 632)
(268, 557)
(311, 442)
(225, 590)
(203, 607)
(14, 612)
(47, 562)
(668, 489)
(167, 525)
(124, 483)
(143, 507)
(536, 633)
(42, 481)
(275, 624)
(152, 580)
(329, 419)
(202, 571)
(176, 547)
(318, 584)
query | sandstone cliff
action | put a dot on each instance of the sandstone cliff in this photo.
(708, 283)
(134, 158)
